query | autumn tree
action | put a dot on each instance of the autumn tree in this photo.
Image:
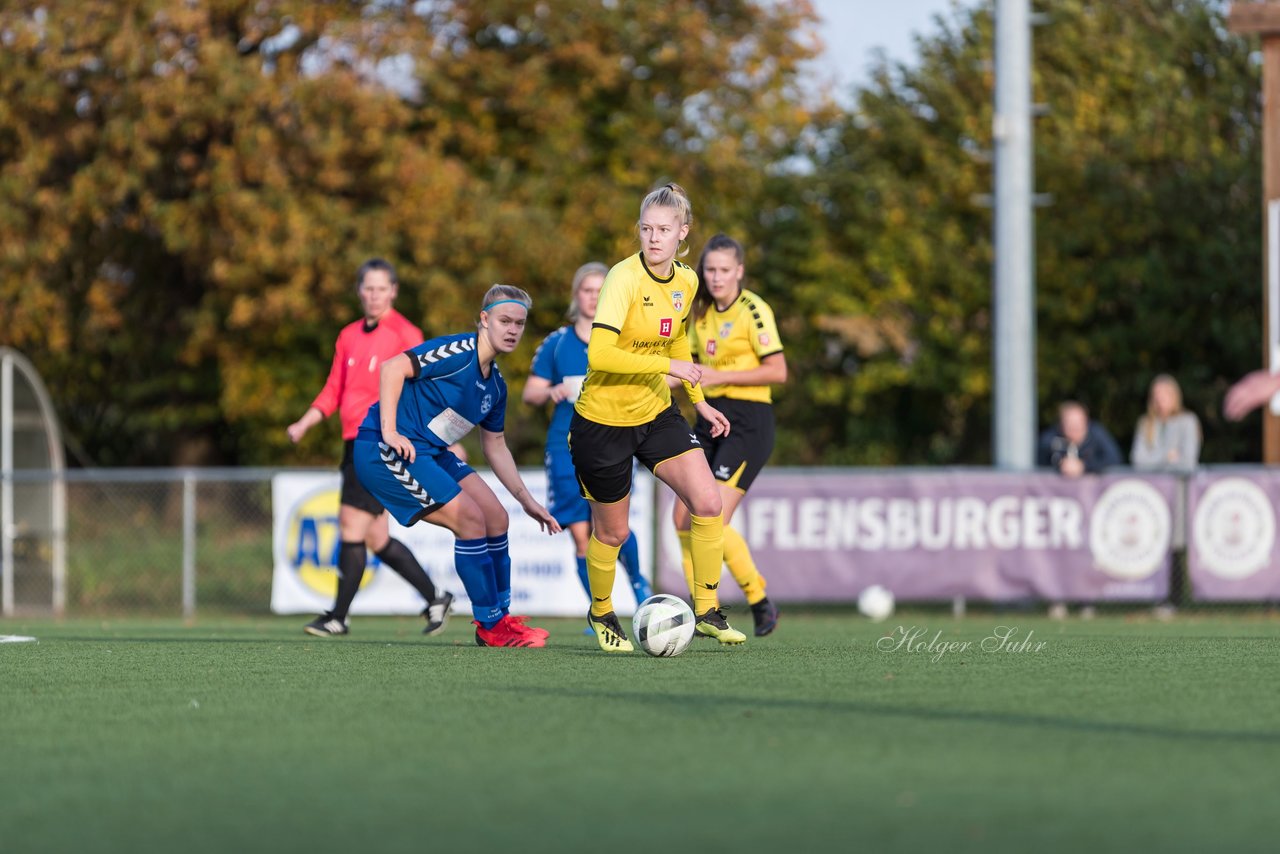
(185, 204)
(187, 188)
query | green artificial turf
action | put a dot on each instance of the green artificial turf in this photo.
(1114, 735)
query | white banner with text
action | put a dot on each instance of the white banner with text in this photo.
(544, 577)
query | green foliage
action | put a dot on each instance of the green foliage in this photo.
(1147, 260)
(186, 190)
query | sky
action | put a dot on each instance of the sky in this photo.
(853, 29)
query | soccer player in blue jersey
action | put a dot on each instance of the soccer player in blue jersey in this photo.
(429, 397)
(559, 367)
(351, 388)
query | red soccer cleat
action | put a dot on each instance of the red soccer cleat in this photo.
(507, 633)
(519, 619)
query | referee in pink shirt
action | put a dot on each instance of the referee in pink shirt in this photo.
(351, 389)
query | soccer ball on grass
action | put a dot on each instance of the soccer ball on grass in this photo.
(876, 603)
(663, 625)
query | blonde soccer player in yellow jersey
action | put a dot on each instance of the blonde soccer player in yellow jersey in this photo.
(625, 411)
(732, 334)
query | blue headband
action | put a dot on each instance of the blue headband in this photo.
(490, 306)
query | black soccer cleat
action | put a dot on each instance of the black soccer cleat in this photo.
(437, 614)
(326, 626)
(765, 614)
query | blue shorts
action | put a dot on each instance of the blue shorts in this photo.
(410, 490)
(564, 499)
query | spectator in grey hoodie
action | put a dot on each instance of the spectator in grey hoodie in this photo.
(1167, 437)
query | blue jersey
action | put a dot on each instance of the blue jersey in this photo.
(447, 398)
(561, 357)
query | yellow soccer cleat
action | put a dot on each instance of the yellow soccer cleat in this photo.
(609, 633)
(712, 624)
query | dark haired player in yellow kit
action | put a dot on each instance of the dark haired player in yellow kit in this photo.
(732, 334)
(625, 410)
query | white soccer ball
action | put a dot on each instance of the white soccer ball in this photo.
(876, 603)
(663, 625)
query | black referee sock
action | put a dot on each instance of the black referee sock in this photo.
(397, 556)
(351, 560)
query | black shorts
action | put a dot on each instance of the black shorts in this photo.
(602, 454)
(353, 492)
(736, 459)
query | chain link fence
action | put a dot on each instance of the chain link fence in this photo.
(148, 542)
(165, 542)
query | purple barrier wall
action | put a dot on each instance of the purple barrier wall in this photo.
(982, 535)
(1231, 547)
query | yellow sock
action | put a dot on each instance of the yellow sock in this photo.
(602, 566)
(686, 558)
(706, 544)
(738, 556)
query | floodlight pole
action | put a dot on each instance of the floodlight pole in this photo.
(1264, 20)
(6, 485)
(1014, 427)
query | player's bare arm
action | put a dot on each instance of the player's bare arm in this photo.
(772, 370)
(390, 385)
(538, 390)
(299, 428)
(494, 446)
(719, 424)
(690, 372)
(1252, 391)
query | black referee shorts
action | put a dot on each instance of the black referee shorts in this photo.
(602, 454)
(736, 459)
(353, 492)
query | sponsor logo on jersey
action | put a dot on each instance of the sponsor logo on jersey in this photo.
(664, 327)
(764, 339)
(450, 427)
(711, 347)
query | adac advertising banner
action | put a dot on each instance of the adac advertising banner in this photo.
(544, 577)
(824, 536)
(1231, 536)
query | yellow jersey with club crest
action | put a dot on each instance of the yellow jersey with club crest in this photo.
(648, 313)
(736, 339)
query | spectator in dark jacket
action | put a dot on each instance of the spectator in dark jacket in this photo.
(1076, 445)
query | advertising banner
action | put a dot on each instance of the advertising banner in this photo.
(544, 577)
(1231, 544)
(824, 536)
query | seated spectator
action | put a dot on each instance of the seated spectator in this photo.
(1167, 437)
(1076, 445)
